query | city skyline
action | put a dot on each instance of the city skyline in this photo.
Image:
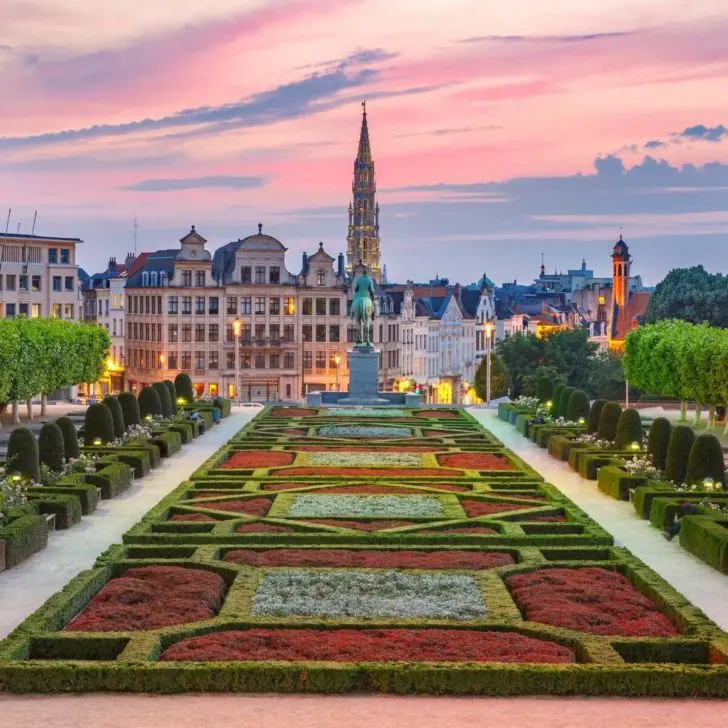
(492, 129)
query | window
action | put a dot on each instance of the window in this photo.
(23, 283)
(172, 360)
(199, 332)
(260, 305)
(200, 278)
(113, 329)
(186, 305)
(107, 303)
(213, 333)
(199, 360)
(23, 310)
(307, 308)
(35, 310)
(260, 333)
(320, 360)
(275, 362)
(245, 335)
(230, 360)
(232, 305)
(288, 333)
(10, 283)
(245, 274)
(186, 360)
(199, 304)
(69, 286)
(274, 306)
(259, 275)
(321, 332)
(275, 334)
(52, 255)
(186, 278)
(245, 361)
(334, 334)
(213, 361)
(172, 304)
(213, 305)
(10, 310)
(172, 333)
(333, 364)
(334, 307)
(321, 278)
(154, 304)
(274, 274)
(68, 311)
(260, 361)
(350, 335)
(229, 333)
(288, 361)
(307, 360)
(306, 330)
(321, 307)
(245, 305)
(186, 332)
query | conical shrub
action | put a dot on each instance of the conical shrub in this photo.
(164, 399)
(98, 425)
(558, 389)
(183, 387)
(681, 442)
(578, 406)
(564, 398)
(129, 409)
(51, 450)
(545, 389)
(705, 461)
(70, 437)
(658, 441)
(594, 413)
(22, 457)
(172, 394)
(608, 419)
(149, 402)
(629, 429)
(117, 415)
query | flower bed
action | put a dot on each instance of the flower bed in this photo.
(363, 431)
(263, 528)
(474, 461)
(294, 431)
(363, 412)
(370, 559)
(358, 459)
(459, 529)
(368, 595)
(192, 517)
(438, 414)
(371, 472)
(379, 525)
(210, 494)
(292, 412)
(258, 459)
(371, 451)
(588, 599)
(475, 508)
(371, 506)
(252, 506)
(366, 489)
(368, 645)
(150, 597)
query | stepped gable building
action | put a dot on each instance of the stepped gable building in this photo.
(362, 239)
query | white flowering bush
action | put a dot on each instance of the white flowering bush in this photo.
(720, 509)
(528, 402)
(708, 485)
(324, 506)
(640, 466)
(594, 441)
(363, 412)
(365, 459)
(13, 493)
(363, 431)
(368, 594)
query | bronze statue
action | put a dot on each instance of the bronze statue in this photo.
(362, 308)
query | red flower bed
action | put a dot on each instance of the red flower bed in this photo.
(293, 431)
(588, 599)
(371, 559)
(344, 448)
(358, 525)
(151, 597)
(460, 529)
(263, 528)
(283, 486)
(474, 461)
(259, 459)
(435, 433)
(368, 489)
(253, 506)
(293, 412)
(210, 494)
(368, 645)
(437, 414)
(547, 519)
(191, 517)
(373, 472)
(476, 508)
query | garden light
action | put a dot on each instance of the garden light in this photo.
(709, 484)
(635, 446)
(549, 404)
(581, 420)
(181, 400)
(15, 478)
(97, 441)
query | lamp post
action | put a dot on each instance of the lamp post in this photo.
(337, 359)
(236, 334)
(488, 331)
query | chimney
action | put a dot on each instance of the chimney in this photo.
(129, 259)
(112, 263)
(304, 267)
(458, 294)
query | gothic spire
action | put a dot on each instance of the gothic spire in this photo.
(364, 155)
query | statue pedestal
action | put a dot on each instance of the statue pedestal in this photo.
(363, 378)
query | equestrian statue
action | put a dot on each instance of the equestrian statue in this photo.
(362, 308)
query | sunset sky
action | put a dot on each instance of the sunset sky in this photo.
(500, 130)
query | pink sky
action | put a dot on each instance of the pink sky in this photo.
(254, 109)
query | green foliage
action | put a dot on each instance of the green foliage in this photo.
(149, 402)
(129, 408)
(606, 376)
(521, 354)
(98, 425)
(578, 406)
(569, 351)
(164, 399)
(594, 413)
(70, 437)
(183, 387)
(608, 419)
(23, 457)
(545, 389)
(172, 394)
(498, 378)
(658, 441)
(51, 449)
(531, 381)
(116, 414)
(558, 389)
(563, 404)
(705, 461)
(629, 429)
(681, 442)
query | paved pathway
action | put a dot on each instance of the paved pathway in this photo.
(25, 587)
(705, 587)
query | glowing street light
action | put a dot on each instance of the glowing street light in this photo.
(237, 327)
(337, 359)
(488, 326)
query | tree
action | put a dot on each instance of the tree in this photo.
(569, 351)
(532, 380)
(498, 378)
(521, 354)
(605, 378)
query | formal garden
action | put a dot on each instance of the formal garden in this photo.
(355, 549)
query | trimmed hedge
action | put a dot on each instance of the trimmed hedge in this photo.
(65, 506)
(617, 483)
(98, 425)
(558, 389)
(77, 485)
(23, 457)
(564, 399)
(51, 450)
(707, 538)
(705, 461)
(130, 409)
(183, 387)
(164, 399)
(594, 414)
(559, 447)
(172, 394)
(578, 406)
(117, 414)
(70, 437)
(24, 536)
(681, 442)
(658, 441)
(608, 419)
(150, 405)
(545, 390)
(629, 429)
(168, 442)
(224, 405)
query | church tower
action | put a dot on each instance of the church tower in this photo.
(620, 273)
(362, 240)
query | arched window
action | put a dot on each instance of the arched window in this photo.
(145, 279)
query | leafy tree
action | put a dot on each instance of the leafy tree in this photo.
(531, 381)
(498, 378)
(569, 352)
(605, 378)
(521, 354)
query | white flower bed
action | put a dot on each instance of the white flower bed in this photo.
(365, 459)
(363, 412)
(325, 506)
(363, 431)
(368, 595)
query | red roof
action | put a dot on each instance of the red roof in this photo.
(636, 307)
(137, 264)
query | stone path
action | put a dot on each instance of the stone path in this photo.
(705, 587)
(27, 586)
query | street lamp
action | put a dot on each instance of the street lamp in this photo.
(337, 359)
(488, 331)
(236, 334)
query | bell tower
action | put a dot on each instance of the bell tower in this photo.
(620, 272)
(362, 239)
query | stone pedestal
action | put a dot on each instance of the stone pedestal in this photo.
(363, 378)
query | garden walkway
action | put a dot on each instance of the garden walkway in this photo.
(702, 585)
(27, 586)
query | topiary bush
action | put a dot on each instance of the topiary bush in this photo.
(129, 409)
(22, 457)
(563, 403)
(608, 419)
(578, 406)
(629, 429)
(658, 440)
(70, 437)
(558, 389)
(117, 415)
(705, 461)
(149, 402)
(164, 399)
(592, 423)
(183, 387)
(172, 394)
(51, 450)
(545, 389)
(682, 438)
(98, 425)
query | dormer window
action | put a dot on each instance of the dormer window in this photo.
(274, 274)
(321, 278)
(186, 278)
(200, 279)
